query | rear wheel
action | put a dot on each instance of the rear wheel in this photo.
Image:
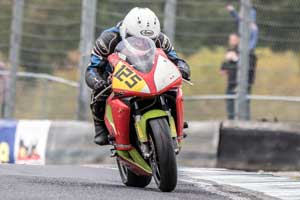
(163, 161)
(131, 179)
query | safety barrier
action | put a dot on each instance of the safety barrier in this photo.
(49, 142)
(71, 142)
(235, 145)
(259, 146)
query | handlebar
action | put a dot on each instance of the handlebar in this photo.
(101, 93)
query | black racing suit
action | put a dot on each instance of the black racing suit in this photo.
(99, 68)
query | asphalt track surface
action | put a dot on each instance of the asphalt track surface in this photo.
(83, 182)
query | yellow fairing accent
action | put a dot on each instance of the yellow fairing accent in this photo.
(141, 135)
(126, 79)
(172, 126)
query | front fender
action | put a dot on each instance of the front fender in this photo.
(141, 125)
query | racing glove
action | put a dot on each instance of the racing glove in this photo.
(100, 84)
(184, 68)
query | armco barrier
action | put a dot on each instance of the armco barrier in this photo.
(259, 145)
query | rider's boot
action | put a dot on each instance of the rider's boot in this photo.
(101, 132)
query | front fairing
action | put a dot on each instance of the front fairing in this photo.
(128, 81)
(140, 69)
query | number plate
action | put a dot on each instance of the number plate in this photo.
(126, 79)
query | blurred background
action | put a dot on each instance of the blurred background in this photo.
(50, 33)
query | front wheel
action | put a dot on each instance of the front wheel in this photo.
(163, 161)
(131, 179)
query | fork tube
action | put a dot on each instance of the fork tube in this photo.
(144, 146)
(163, 103)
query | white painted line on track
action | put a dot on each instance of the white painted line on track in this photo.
(212, 189)
(279, 187)
(113, 167)
(265, 183)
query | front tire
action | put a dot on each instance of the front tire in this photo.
(163, 161)
(131, 179)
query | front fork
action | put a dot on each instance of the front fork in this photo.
(171, 123)
(144, 144)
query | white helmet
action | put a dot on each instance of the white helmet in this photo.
(140, 22)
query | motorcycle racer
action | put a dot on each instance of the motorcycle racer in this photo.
(139, 22)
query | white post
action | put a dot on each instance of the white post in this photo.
(241, 103)
(87, 37)
(14, 57)
(170, 19)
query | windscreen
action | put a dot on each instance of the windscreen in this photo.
(138, 52)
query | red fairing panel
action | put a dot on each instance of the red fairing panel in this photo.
(121, 117)
(179, 111)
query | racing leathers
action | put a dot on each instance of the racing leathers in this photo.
(99, 69)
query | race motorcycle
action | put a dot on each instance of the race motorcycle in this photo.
(144, 114)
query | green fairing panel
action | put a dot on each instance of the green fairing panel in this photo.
(108, 114)
(124, 154)
(135, 158)
(135, 155)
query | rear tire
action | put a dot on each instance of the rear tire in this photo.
(131, 179)
(163, 163)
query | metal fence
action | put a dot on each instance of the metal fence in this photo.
(52, 32)
(48, 40)
(43, 96)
